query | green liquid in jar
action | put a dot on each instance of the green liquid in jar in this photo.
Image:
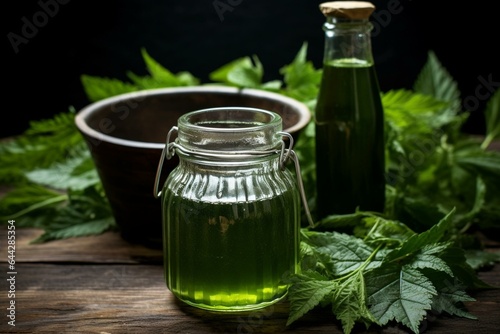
(349, 139)
(230, 256)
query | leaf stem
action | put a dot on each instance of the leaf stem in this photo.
(487, 141)
(360, 268)
(39, 205)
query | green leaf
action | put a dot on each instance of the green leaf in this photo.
(75, 173)
(415, 112)
(160, 76)
(492, 115)
(241, 72)
(349, 303)
(87, 228)
(447, 302)
(97, 88)
(377, 230)
(462, 271)
(480, 259)
(29, 201)
(479, 162)
(306, 294)
(428, 258)
(434, 80)
(451, 295)
(333, 222)
(301, 78)
(44, 143)
(402, 294)
(155, 69)
(87, 212)
(414, 243)
(340, 253)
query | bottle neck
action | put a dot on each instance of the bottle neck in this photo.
(348, 41)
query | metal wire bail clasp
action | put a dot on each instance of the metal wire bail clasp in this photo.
(284, 156)
(167, 152)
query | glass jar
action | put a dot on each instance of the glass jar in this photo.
(231, 210)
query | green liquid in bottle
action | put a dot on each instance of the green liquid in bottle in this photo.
(349, 139)
(230, 256)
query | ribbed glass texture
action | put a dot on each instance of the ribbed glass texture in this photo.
(230, 221)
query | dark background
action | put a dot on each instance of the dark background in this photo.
(104, 38)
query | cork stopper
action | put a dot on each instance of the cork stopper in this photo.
(354, 10)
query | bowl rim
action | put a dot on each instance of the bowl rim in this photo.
(81, 115)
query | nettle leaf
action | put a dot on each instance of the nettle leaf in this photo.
(416, 242)
(349, 302)
(87, 212)
(242, 72)
(340, 253)
(165, 78)
(29, 201)
(273, 85)
(377, 230)
(401, 294)
(478, 161)
(480, 259)
(85, 228)
(145, 82)
(45, 142)
(407, 100)
(245, 77)
(301, 78)
(447, 301)
(492, 115)
(451, 295)
(159, 76)
(428, 257)
(342, 220)
(75, 173)
(434, 80)
(415, 112)
(305, 294)
(97, 88)
(462, 271)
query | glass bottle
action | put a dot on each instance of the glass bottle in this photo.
(231, 211)
(349, 120)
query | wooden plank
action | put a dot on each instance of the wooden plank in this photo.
(108, 247)
(133, 298)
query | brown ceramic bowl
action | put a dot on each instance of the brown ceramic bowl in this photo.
(126, 135)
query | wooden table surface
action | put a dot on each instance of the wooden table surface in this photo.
(103, 284)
